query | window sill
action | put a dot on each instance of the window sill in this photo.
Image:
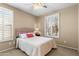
(56, 37)
(4, 40)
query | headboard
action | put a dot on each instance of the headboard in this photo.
(17, 30)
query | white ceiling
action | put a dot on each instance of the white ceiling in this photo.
(51, 7)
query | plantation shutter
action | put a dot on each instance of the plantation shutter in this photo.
(6, 24)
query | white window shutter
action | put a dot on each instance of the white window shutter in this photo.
(6, 24)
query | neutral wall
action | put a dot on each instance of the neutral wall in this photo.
(68, 26)
(21, 19)
(40, 24)
(78, 27)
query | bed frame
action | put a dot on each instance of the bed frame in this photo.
(45, 48)
(17, 30)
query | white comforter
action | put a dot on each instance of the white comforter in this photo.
(35, 46)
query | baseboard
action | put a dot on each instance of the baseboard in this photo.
(68, 47)
(7, 49)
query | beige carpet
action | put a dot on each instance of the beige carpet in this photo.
(60, 51)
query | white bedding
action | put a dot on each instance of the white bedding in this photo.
(36, 46)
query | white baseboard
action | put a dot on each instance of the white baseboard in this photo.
(68, 47)
(7, 49)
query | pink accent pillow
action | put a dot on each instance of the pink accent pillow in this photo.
(29, 35)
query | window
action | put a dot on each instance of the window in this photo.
(6, 24)
(51, 27)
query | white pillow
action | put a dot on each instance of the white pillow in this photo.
(23, 35)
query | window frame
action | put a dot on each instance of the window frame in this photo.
(12, 19)
(45, 34)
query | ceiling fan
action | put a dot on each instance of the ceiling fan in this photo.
(39, 5)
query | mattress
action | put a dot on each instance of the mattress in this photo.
(36, 46)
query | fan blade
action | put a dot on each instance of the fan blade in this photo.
(45, 6)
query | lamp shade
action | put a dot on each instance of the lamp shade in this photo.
(36, 29)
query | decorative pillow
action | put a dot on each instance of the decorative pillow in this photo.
(22, 35)
(29, 35)
(17, 36)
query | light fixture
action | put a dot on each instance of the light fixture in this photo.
(39, 6)
(36, 29)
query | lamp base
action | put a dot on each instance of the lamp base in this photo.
(37, 34)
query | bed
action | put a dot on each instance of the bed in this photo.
(35, 46)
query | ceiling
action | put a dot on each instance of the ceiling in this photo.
(51, 7)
